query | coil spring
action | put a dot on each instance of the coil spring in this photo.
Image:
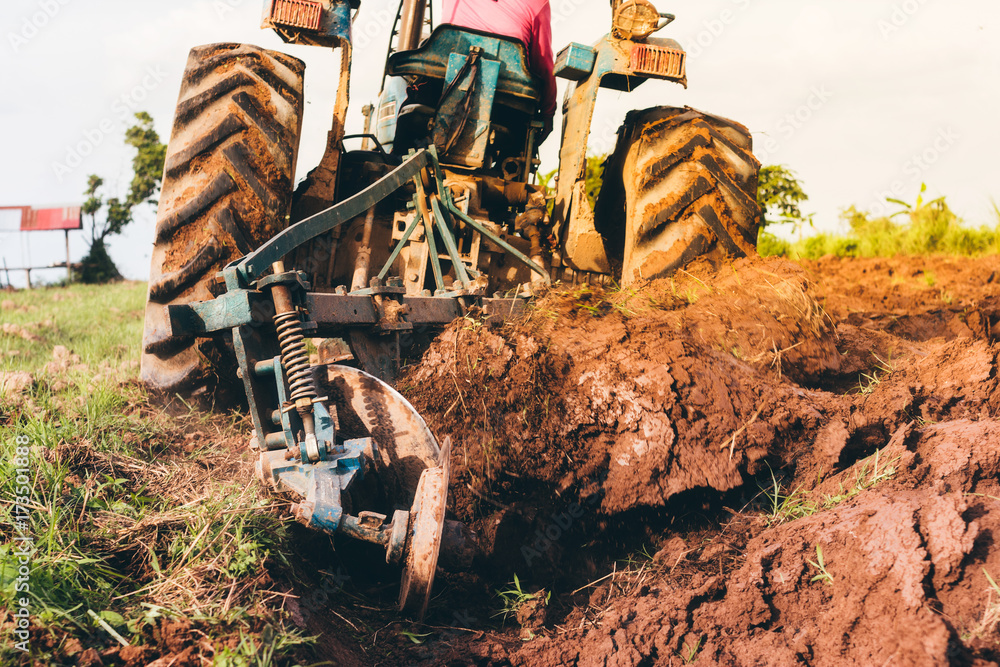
(294, 356)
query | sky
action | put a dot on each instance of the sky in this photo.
(862, 99)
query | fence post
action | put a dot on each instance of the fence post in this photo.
(69, 269)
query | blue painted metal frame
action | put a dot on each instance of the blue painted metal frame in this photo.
(322, 484)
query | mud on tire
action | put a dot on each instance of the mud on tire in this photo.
(681, 184)
(227, 188)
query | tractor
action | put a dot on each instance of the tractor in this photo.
(312, 296)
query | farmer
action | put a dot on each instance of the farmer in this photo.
(527, 20)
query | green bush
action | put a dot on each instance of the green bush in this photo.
(925, 228)
(769, 245)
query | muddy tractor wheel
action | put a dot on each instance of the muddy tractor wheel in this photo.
(227, 189)
(686, 184)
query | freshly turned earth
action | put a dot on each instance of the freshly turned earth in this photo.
(619, 453)
(656, 421)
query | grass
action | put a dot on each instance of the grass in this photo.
(921, 228)
(689, 652)
(991, 614)
(824, 574)
(514, 597)
(137, 518)
(869, 382)
(785, 506)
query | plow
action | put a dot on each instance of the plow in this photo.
(307, 301)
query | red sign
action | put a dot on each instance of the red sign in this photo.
(47, 219)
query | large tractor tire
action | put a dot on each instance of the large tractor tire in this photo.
(227, 189)
(684, 184)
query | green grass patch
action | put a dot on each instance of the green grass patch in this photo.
(136, 517)
(786, 505)
(922, 228)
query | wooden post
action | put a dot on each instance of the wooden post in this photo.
(69, 269)
(27, 275)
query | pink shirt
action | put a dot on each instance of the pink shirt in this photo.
(527, 20)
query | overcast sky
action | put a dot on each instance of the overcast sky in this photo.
(863, 99)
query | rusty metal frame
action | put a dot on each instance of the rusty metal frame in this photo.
(572, 217)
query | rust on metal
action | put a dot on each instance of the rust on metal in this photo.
(658, 61)
(302, 14)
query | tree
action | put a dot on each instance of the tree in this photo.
(110, 216)
(779, 194)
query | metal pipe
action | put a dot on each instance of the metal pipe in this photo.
(518, 255)
(399, 246)
(449, 243)
(425, 215)
(367, 112)
(69, 267)
(411, 25)
(363, 260)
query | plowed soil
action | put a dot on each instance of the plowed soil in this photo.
(766, 463)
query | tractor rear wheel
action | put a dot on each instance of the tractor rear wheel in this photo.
(684, 183)
(227, 189)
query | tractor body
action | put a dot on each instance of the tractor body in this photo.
(436, 215)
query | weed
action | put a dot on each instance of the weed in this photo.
(415, 637)
(870, 381)
(930, 278)
(689, 652)
(788, 506)
(824, 574)
(991, 614)
(248, 653)
(514, 597)
(472, 323)
(640, 558)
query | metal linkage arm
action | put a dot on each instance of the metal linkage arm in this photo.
(256, 263)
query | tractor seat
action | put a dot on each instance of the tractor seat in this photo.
(517, 88)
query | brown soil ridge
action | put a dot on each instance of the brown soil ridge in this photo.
(627, 402)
